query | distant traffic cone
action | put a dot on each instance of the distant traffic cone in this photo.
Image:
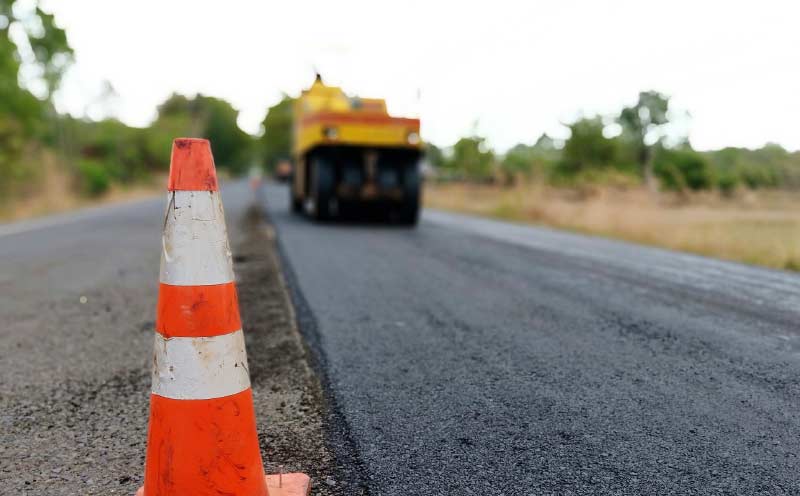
(202, 437)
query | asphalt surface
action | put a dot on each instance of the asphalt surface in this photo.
(471, 356)
(76, 340)
(463, 357)
(76, 333)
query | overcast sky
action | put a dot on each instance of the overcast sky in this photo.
(516, 68)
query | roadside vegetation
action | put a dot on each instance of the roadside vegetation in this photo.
(50, 161)
(756, 227)
(635, 148)
(627, 175)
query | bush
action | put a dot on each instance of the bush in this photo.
(727, 183)
(12, 145)
(472, 158)
(590, 157)
(587, 148)
(682, 169)
(94, 177)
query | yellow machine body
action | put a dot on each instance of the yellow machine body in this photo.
(348, 152)
(325, 115)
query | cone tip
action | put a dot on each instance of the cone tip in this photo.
(191, 167)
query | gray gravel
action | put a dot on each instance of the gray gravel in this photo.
(76, 334)
(74, 383)
(478, 357)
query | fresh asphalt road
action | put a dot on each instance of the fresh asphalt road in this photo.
(470, 356)
(465, 356)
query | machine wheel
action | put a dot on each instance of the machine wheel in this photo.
(295, 204)
(322, 188)
(408, 213)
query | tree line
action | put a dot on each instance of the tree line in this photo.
(93, 155)
(629, 148)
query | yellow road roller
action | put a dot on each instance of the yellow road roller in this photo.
(351, 157)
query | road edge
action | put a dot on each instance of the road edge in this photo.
(350, 467)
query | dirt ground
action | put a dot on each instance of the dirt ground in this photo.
(760, 228)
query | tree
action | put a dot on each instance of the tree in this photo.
(42, 47)
(545, 145)
(434, 156)
(473, 157)
(642, 127)
(529, 160)
(39, 42)
(276, 143)
(210, 118)
(587, 148)
(518, 160)
(768, 166)
(682, 169)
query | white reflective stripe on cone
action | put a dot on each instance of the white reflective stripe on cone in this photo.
(200, 368)
(195, 250)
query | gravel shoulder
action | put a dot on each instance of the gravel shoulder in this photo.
(288, 396)
(76, 336)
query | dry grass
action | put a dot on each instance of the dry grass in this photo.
(55, 193)
(761, 229)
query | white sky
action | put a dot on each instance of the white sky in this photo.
(517, 68)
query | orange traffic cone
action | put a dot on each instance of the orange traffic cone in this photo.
(202, 437)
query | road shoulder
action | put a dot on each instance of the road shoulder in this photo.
(292, 409)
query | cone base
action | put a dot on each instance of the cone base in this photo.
(290, 485)
(280, 485)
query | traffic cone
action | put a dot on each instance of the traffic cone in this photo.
(202, 436)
